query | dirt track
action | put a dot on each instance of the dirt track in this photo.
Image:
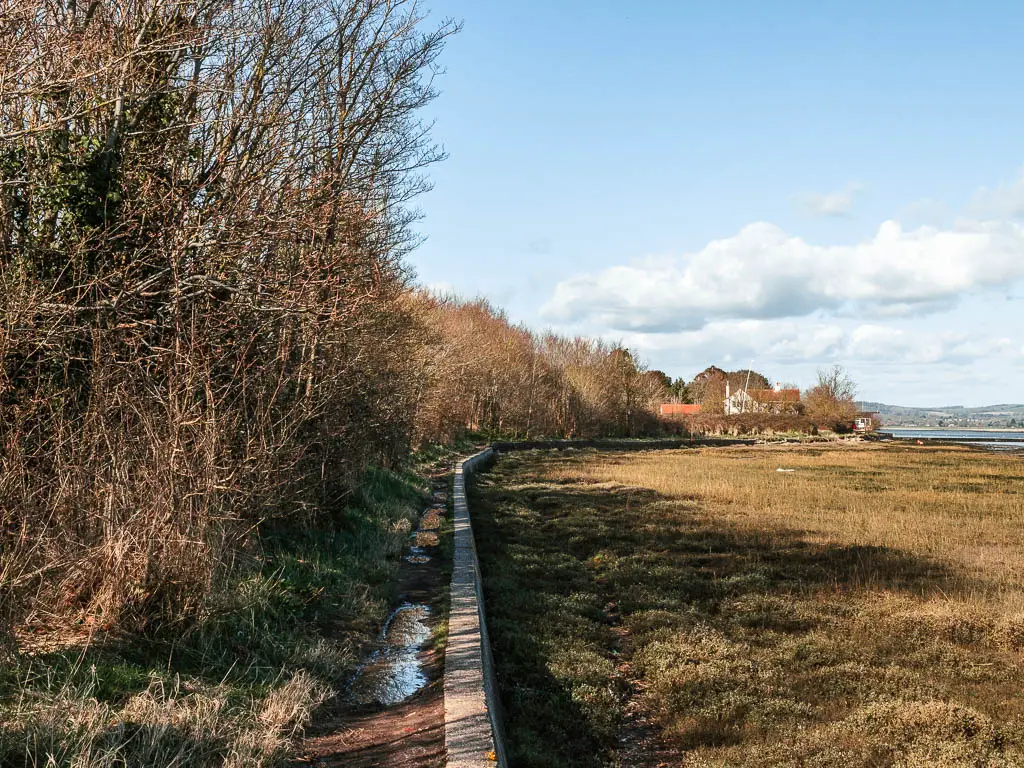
(409, 734)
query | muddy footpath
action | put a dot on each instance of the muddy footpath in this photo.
(392, 711)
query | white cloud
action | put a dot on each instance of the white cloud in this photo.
(838, 203)
(886, 344)
(914, 312)
(763, 273)
(789, 342)
(926, 212)
(784, 340)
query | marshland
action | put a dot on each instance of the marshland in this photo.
(856, 604)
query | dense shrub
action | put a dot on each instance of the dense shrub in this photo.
(484, 374)
(202, 313)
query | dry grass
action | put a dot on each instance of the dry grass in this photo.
(960, 506)
(862, 610)
(184, 723)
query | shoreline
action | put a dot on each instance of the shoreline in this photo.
(958, 429)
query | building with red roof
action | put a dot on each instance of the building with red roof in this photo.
(679, 409)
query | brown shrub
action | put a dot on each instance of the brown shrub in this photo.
(742, 424)
(202, 321)
(483, 374)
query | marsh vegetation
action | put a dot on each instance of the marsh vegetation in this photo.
(863, 609)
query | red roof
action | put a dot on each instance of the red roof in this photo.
(775, 395)
(679, 409)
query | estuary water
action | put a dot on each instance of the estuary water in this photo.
(997, 440)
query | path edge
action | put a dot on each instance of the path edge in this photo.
(473, 729)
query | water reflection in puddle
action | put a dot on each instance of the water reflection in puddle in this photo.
(394, 672)
(417, 556)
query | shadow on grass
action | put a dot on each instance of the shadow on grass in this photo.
(303, 602)
(573, 571)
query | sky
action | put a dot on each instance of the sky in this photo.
(785, 185)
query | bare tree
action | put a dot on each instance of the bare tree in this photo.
(830, 402)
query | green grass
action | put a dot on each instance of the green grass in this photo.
(284, 629)
(756, 618)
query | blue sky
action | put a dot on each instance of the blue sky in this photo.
(792, 183)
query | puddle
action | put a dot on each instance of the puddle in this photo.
(417, 555)
(394, 672)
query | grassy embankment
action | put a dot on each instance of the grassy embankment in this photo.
(284, 630)
(866, 609)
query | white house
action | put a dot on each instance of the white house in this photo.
(777, 400)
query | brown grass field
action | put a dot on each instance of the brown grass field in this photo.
(701, 608)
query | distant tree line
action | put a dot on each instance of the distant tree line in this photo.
(829, 403)
(483, 374)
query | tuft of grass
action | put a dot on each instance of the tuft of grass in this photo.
(863, 610)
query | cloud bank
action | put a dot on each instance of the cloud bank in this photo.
(793, 342)
(764, 273)
(1004, 201)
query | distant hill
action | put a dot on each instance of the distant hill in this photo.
(1005, 415)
